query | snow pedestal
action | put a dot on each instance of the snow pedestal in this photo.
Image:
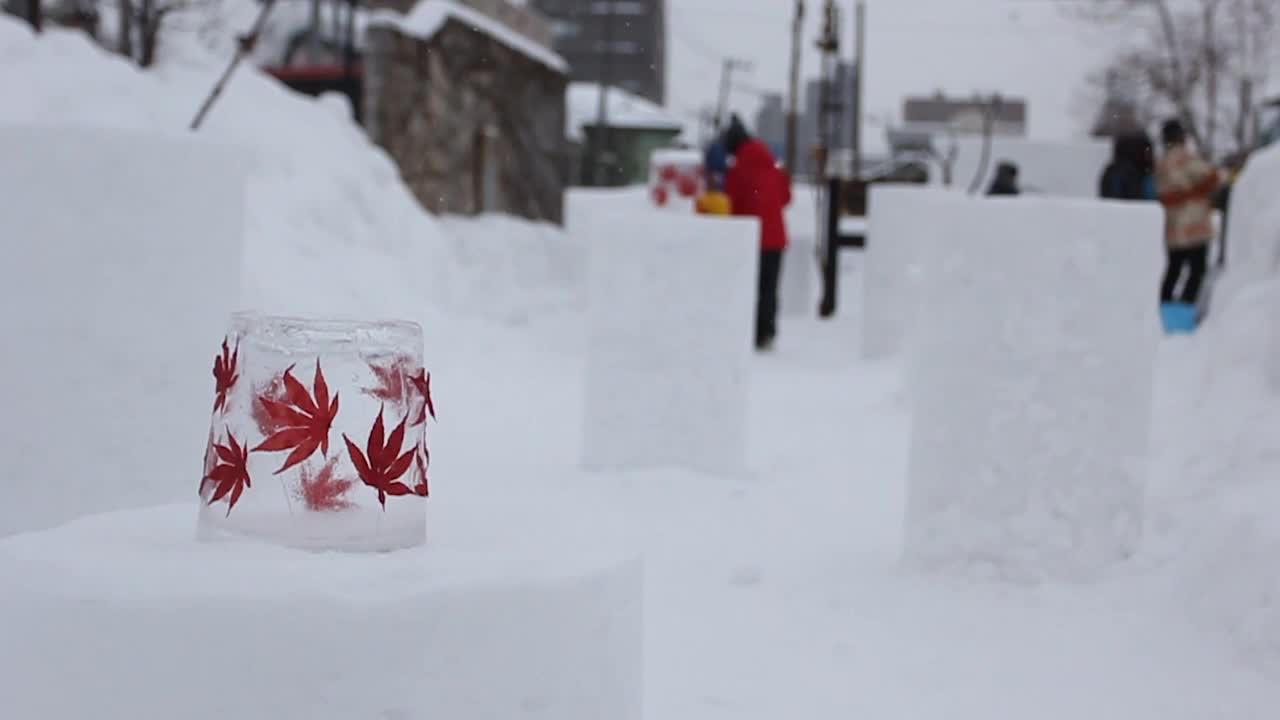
(797, 285)
(318, 436)
(122, 260)
(127, 616)
(1031, 384)
(669, 337)
(900, 220)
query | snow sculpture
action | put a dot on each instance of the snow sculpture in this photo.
(900, 219)
(168, 627)
(331, 413)
(122, 259)
(1031, 385)
(669, 338)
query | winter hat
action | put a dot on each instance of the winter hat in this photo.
(735, 134)
(1173, 132)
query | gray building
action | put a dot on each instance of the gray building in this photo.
(771, 120)
(622, 42)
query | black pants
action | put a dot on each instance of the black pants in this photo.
(767, 297)
(1195, 260)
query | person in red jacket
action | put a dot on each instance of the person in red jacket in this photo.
(758, 186)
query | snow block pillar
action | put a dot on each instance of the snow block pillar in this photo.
(1031, 385)
(153, 624)
(900, 219)
(669, 341)
(122, 260)
(798, 282)
(318, 438)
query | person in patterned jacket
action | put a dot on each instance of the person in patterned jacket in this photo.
(1185, 185)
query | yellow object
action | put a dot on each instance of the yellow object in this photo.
(713, 202)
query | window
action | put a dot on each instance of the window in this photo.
(620, 47)
(617, 7)
(565, 28)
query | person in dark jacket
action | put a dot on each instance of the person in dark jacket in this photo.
(1006, 181)
(758, 186)
(1128, 175)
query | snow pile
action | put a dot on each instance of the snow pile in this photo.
(1069, 169)
(1224, 476)
(239, 630)
(329, 230)
(1225, 464)
(513, 270)
(669, 328)
(1253, 227)
(901, 220)
(1031, 387)
(317, 186)
(123, 265)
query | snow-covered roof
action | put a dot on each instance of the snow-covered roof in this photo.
(428, 16)
(625, 110)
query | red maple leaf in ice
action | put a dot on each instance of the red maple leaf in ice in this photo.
(325, 491)
(421, 487)
(224, 373)
(304, 422)
(391, 382)
(231, 472)
(383, 467)
(422, 383)
(267, 423)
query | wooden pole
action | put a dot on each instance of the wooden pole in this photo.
(602, 107)
(793, 96)
(859, 67)
(241, 50)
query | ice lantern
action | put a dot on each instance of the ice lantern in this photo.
(318, 436)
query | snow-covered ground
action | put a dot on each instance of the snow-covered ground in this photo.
(779, 592)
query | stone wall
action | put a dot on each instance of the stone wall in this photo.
(473, 125)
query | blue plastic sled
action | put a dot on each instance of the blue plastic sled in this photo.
(1178, 317)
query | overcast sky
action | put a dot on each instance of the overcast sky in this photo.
(1026, 48)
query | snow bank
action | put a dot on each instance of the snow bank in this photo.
(222, 630)
(1253, 226)
(901, 220)
(318, 189)
(669, 326)
(1031, 387)
(1225, 482)
(1054, 168)
(123, 264)
(1222, 484)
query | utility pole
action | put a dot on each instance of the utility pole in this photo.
(793, 117)
(602, 109)
(828, 104)
(726, 83)
(859, 67)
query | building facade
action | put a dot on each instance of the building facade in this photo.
(622, 43)
(474, 123)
